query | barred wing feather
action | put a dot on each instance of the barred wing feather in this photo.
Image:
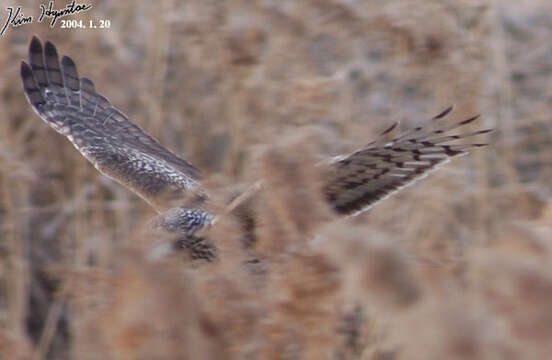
(103, 134)
(361, 179)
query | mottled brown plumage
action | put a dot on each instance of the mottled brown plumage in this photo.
(359, 180)
(120, 149)
(104, 135)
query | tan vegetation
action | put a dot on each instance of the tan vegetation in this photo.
(457, 266)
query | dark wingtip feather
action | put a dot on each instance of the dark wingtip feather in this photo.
(70, 74)
(485, 131)
(30, 88)
(71, 79)
(52, 65)
(443, 113)
(50, 49)
(26, 70)
(86, 81)
(36, 46)
(67, 61)
(389, 129)
(467, 121)
(36, 61)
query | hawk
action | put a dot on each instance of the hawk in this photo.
(124, 152)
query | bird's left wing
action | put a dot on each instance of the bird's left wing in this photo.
(359, 180)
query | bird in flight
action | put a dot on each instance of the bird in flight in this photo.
(124, 152)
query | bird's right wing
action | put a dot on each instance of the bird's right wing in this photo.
(103, 134)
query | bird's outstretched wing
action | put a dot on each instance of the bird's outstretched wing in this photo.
(102, 133)
(358, 180)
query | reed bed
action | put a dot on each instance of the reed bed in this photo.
(457, 266)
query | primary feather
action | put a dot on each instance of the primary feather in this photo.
(359, 180)
(103, 134)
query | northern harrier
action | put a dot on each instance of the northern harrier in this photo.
(123, 151)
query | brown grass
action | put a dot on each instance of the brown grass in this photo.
(455, 267)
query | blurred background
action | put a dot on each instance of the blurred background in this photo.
(457, 266)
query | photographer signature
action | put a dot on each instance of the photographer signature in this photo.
(17, 18)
